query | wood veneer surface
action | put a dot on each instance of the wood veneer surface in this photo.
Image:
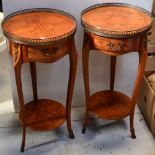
(110, 105)
(39, 25)
(119, 19)
(44, 114)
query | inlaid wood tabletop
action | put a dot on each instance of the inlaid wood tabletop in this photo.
(115, 19)
(39, 25)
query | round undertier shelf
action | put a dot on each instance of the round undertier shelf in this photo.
(111, 105)
(43, 114)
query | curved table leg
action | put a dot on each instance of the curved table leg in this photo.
(73, 65)
(112, 72)
(85, 63)
(34, 80)
(17, 68)
(23, 139)
(141, 67)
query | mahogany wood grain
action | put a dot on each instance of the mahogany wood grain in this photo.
(111, 104)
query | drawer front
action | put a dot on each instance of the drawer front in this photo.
(151, 33)
(115, 46)
(146, 100)
(46, 54)
(150, 63)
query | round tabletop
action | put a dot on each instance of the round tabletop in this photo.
(38, 26)
(116, 20)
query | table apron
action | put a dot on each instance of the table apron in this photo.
(114, 47)
(43, 53)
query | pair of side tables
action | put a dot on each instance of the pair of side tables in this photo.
(47, 35)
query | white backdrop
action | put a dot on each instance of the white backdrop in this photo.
(52, 78)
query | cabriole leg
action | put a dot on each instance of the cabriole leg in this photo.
(141, 67)
(17, 67)
(85, 62)
(73, 65)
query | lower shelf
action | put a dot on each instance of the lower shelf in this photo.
(110, 105)
(43, 114)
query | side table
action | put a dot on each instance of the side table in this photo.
(114, 29)
(45, 36)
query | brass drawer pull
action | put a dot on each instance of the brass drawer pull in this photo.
(51, 51)
(116, 46)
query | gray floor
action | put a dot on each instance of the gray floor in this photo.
(102, 137)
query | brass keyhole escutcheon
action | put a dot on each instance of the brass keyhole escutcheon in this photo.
(48, 51)
(116, 46)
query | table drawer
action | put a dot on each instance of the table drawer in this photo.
(46, 54)
(115, 46)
